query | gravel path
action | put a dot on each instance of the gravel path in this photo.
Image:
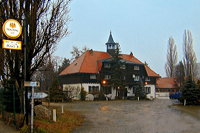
(134, 117)
(6, 129)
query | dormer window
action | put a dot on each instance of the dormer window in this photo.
(136, 68)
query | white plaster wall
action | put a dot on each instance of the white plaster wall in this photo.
(84, 85)
(152, 95)
(113, 93)
(162, 95)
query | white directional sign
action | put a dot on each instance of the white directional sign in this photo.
(38, 95)
(10, 44)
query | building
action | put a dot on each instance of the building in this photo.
(165, 87)
(93, 71)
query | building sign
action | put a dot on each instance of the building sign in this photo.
(11, 44)
(12, 28)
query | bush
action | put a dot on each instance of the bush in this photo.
(83, 94)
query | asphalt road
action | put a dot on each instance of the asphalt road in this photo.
(158, 116)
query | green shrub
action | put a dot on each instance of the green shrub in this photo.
(83, 94)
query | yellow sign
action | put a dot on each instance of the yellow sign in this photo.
(10, 44)
(12, 28)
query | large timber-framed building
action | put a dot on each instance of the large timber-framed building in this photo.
(93, 67)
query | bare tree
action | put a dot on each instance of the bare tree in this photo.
(76, 52)
(189, 60)
(47, 24)
(65, 63)
(171, 58)
(180, 74)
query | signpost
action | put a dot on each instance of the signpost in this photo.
(10, 44)
(33, 85)
(12, 28)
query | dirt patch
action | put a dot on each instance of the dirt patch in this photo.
(104, 108)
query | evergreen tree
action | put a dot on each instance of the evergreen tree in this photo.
(139, 91)
(117, 74)
(190, 93)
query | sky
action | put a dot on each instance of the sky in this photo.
(142, 27)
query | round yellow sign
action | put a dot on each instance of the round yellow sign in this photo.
(12, 28)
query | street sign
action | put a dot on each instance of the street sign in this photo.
(10, 44)
(31, 84)
(12, 28)
(38, 95)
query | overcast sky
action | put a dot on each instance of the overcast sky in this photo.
(139, 26)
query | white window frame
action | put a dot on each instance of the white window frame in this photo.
(137, 68)
(107, 76)
(137, 78)
(93, 76)
(147, 90)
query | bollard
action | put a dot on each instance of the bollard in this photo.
(54, 115)
(184, 102)
(62, 109)
(138, 98)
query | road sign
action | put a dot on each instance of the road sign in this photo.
(12, 28)
(38, 95)
(31, 84)
(10, 44)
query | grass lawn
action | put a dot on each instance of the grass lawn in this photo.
(66, 122)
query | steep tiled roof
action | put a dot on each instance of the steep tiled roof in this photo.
(150, 72)
(166, 83)
(86, 63)
(130, 58)
(90, 62)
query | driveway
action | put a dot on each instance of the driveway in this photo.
(158, 116)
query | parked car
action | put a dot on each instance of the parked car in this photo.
(175, 95)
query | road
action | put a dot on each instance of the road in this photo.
(158, 116)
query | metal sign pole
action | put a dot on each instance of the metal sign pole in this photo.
(32, 109)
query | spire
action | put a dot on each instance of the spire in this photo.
(110, 39)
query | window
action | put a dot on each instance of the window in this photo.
(93, 89)
(93, 76)
(124, 77)
(147, 90)
(136, 68)
(107, 77)
(123, 66)
(106, 65)
(147, 79)
(137, 78)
